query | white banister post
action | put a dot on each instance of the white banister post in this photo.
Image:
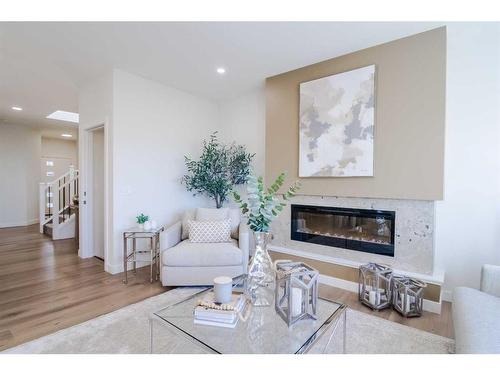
(42, 204)
(55, 210)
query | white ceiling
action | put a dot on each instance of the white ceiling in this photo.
(42, 65)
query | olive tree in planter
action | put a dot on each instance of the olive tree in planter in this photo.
(218, 169)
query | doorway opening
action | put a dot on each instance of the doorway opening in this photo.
(94, 223)
(59, 187)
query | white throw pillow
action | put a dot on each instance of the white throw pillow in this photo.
(209, 231)
(218, 214)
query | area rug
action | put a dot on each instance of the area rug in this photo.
(127, 331)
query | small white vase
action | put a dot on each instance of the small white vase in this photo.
(147, 225)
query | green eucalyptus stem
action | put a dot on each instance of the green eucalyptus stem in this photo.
(262, 205)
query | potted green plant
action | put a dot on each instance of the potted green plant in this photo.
(218, 169)
(141, 219)
(260, 207)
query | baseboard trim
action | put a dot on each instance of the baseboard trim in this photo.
(430, 306)
(118, 268)
(433, 307)
(19, 223)
(338, 283)
(437, 278)
(113, 268)
(447, 295)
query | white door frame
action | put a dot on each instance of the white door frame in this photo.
(86, 200)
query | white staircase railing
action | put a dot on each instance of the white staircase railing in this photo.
(56, 198)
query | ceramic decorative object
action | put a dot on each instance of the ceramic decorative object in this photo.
(408, 296)
(375, 285)
(147, 225)
(260, 279)
(223, 289)
(296, 293)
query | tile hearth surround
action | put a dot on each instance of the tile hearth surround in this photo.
(414, 232)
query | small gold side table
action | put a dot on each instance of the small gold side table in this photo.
(154, 249)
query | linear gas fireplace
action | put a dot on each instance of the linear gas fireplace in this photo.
(371, 231)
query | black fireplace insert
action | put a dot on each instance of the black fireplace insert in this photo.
(370, 231)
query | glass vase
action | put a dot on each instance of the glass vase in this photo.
(260, 279)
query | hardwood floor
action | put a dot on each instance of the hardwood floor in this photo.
(45, 286)
(439, 324)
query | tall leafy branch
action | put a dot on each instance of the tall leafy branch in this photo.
(218, 169)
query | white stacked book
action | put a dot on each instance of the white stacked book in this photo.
(216, 316)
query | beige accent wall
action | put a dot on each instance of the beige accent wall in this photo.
(409, 120)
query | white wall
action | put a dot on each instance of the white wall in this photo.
(96, 109)
(468, 220)
(154, 126)
(20, 175)
(149, 128)
(59, 148)
(243, 120)
(95, 104)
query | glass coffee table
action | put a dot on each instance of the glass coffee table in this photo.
(262, 332)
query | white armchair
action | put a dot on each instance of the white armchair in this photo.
(186, 263)
(476, 313)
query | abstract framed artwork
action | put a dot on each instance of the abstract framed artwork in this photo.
(337, 122)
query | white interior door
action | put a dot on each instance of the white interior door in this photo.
(97, 196)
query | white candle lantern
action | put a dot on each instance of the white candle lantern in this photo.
(375, 285)
(408, 296)
(296, 291)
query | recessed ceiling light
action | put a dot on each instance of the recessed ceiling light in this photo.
(17, 108)
(221, 70)
(65, 116)
(66, 135)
